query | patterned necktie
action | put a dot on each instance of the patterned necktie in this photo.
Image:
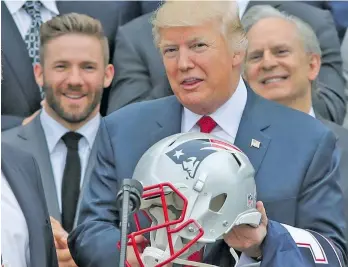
(206, 124)
(71, 180)
(32, 38)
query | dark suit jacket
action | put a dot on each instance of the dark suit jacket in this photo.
(31, 138)
(23, 176)
(296, 172)
(20, 93)
(140, 73)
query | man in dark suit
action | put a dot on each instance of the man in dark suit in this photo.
(278, 45)
(20, 95)
(141, 75)
(294, 156)
(26, 233)
(73, 71)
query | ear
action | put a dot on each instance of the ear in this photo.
(238, 58)
(314, 66)
(38, 72)
(109, 75)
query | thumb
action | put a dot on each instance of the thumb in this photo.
(62, 242)
(260, 207)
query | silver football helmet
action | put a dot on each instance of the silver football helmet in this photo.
(196, 188)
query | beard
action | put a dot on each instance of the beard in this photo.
(71, 116)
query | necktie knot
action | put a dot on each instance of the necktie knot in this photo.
(206, 124)
(33, 9)
(71, 140)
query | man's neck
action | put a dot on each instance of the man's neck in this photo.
(71, 126)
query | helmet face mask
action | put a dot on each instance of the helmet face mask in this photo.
(196, 188)
(166, 224)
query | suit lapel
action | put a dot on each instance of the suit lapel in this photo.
(22, 187)
(36, 143)
(168, 121)
(251, 138)
(16, 53)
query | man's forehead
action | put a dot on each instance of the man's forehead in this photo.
(74, 48)
(184, 40)
(187, 34)
(259, 39)
(269, 29)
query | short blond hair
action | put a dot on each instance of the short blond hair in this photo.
(73, 23)
(194, 13)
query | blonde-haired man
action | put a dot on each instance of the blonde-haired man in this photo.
(202, 44)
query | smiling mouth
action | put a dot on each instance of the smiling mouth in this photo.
(74, 97)
(274, 80)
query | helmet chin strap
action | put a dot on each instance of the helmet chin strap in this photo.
(235, 256)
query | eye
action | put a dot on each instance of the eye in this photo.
(282, 52)
(59, 67)
(199, 46)
(169, 51)
(89, 67)
(254, 57)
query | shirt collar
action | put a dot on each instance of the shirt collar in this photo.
(311, 112)
(54, 130)
(222, 116)
(15, 6)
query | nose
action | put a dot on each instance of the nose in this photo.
(75, 78)
(269, 61)
(185, 62)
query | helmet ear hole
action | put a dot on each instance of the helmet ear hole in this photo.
(217, 202)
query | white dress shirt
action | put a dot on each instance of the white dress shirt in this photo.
(23, 19)
(14, 230)
(54, 131)
(227, 117)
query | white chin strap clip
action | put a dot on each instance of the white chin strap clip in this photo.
(153, 256)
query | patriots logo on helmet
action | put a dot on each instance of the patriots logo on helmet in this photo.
(191, 153)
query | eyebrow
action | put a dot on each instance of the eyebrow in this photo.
(68, 62)
(278, 46)
(188, 42)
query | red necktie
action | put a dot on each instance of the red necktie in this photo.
(207, 124)
(196, 256)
